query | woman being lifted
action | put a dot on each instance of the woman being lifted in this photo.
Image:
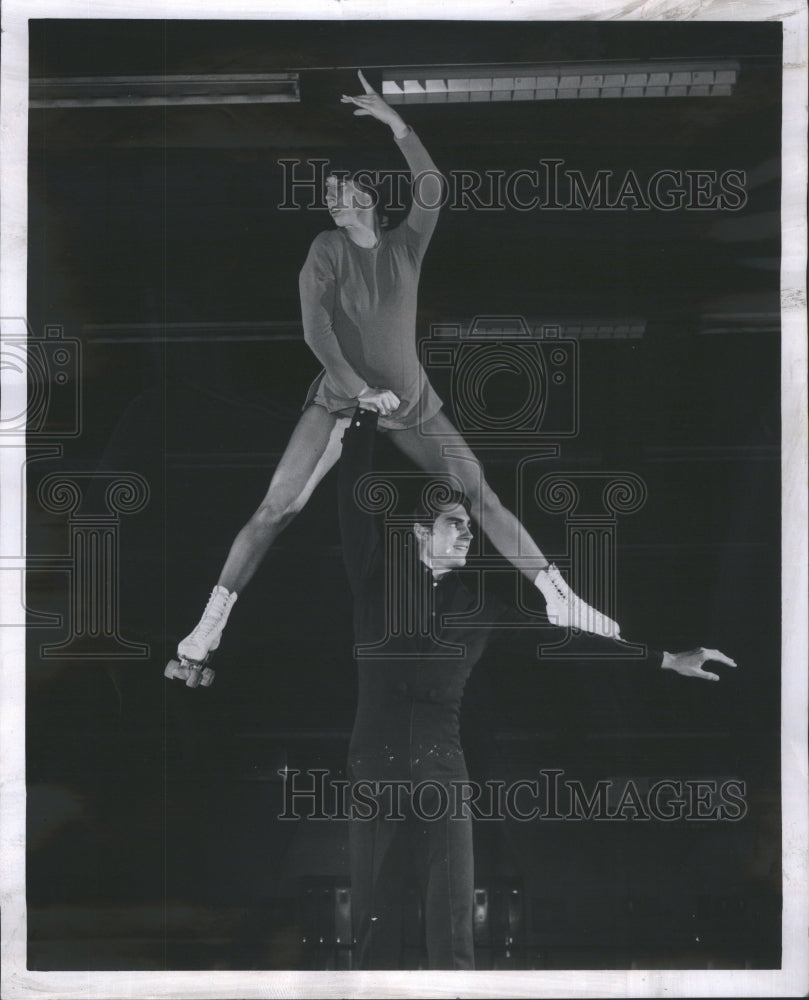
(358, 290)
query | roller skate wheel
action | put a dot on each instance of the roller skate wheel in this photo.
(173, 670)
(194, 675)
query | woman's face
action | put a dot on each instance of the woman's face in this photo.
(345, 201)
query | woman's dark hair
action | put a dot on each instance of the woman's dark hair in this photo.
(359, 182)
(360, 178)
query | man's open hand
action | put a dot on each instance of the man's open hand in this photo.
(690, 664)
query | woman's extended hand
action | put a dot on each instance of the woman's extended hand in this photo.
(371, 103)
(384, 401)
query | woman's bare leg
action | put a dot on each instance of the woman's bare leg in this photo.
(313, 448)
(438, 447)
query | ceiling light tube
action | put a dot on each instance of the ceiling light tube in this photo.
(135, 91)
(519, 82)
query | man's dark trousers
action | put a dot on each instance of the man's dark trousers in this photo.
(384, 851)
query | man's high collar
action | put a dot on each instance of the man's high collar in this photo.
(440, 578)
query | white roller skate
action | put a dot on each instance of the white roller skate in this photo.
(568, 610)
(195, 650)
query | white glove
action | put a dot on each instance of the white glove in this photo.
(568, 610)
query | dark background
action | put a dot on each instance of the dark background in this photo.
(155, 242)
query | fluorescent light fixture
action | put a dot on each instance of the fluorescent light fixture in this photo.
(740, 322)
(466, 84)
(138, 91)
(192, 332)
(516, 327)
(599, 329)
(481, 327)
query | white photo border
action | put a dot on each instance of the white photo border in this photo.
(793, 978)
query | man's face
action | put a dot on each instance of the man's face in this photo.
(345, 200)
(446, 544)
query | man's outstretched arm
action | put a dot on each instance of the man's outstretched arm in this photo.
(608, 649)
(614, 651)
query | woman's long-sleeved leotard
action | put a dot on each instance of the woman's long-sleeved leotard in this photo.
(359, 306)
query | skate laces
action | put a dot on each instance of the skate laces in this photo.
(554, 577)
(572, 609)
(215, 610)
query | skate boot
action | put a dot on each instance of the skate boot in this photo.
(195, 650)
(568, 610)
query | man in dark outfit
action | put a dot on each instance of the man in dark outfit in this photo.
(413, 664)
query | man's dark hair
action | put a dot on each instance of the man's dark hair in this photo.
(438, 498)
